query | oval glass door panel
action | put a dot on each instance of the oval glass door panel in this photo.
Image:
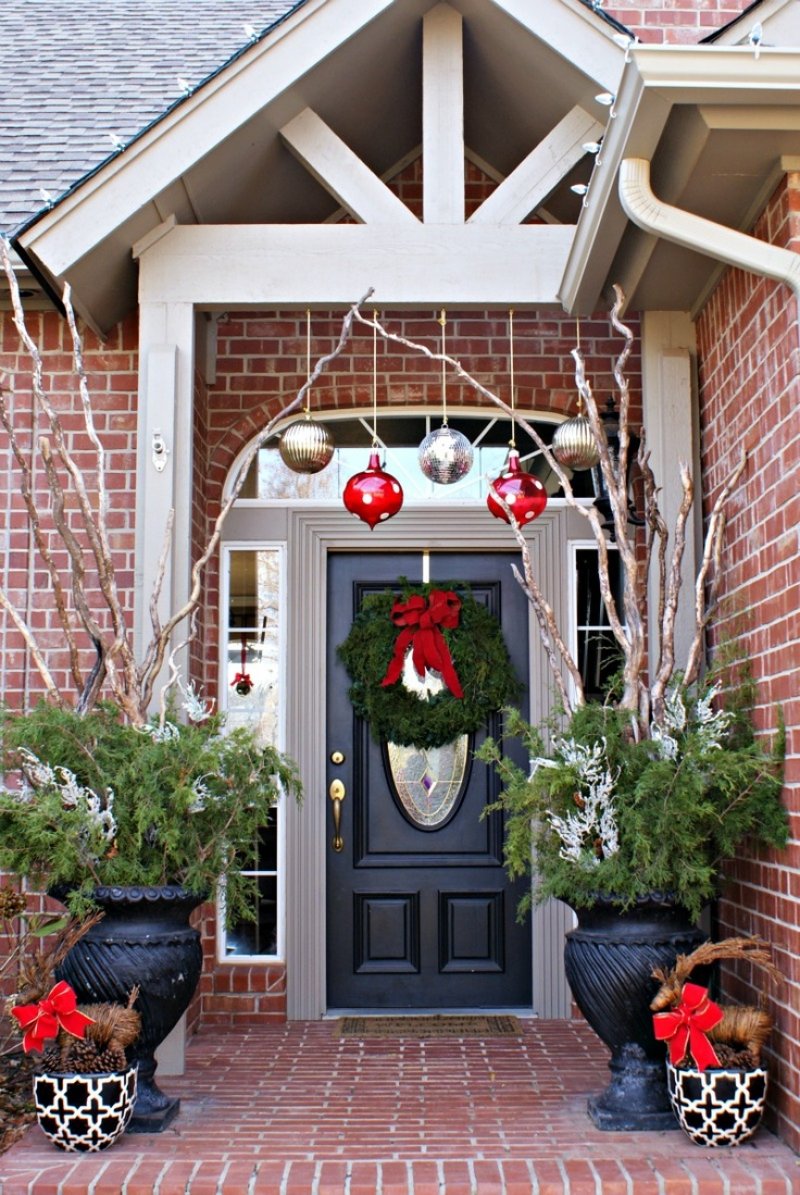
(428, 782)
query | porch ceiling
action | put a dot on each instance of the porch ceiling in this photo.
(219, 159)
(720, 126)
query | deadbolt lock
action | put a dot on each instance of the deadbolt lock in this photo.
(337, 757)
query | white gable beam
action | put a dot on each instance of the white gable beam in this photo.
(217, 266)
(575, 33)
(342, 173)
(532, 181)
(442, 116)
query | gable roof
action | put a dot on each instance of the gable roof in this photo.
(218, 157)
(73, 73)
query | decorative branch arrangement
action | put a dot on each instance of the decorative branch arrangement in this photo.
(643, 699)
(131, 683)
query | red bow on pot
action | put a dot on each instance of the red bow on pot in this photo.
(422, 619)
(688, 1024)
(58, 1010)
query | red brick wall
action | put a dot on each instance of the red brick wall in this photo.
(749, 352)
(676, 22)
(112, 375)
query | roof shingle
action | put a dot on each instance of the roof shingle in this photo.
(74, 72)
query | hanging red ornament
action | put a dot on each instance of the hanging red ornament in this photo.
(373, 496)
(523, 494)
(243, 681)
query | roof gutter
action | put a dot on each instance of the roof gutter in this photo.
(704, 236)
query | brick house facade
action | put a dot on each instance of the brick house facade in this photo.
(746, 361)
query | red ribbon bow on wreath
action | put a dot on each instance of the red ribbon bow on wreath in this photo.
(688, 1024)
(56, 1011)
(422, 619)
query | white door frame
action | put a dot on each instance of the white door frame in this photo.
(312, 532)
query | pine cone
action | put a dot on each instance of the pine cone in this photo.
(83, 1057)
(51, 1058)
(738, 1059)
(12, 903)
(112, 1059)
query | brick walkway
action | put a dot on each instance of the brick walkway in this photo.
(294, 1110)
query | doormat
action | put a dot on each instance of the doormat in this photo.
(429, 1026)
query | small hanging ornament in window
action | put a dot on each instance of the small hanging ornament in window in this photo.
(307, 445)
(515, 495)
(373, 495)
(445, 455)
(243, 682)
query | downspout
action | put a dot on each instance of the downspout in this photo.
(695, 232)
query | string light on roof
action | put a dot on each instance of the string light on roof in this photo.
(755, 37)
(626, 41)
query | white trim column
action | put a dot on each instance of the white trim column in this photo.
(670, 416)
(166, 408)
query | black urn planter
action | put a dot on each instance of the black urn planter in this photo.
(144, 939)
(608, 959)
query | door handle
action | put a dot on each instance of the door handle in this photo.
(336, 792)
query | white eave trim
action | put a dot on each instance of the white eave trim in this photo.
(577, 35)
(655, 79)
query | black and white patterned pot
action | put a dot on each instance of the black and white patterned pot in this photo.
(717, 1107)
(84, 1112)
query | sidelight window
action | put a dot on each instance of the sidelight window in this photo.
(596, 651)
(251, 685)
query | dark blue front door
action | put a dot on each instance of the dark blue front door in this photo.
(419, 911)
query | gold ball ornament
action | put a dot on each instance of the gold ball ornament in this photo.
(573, 444)
(306, 446)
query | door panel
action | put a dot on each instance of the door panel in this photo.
(418, 916)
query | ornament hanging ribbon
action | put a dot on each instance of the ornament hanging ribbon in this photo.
(58, 1010)
(422, 620)
(688, 1025)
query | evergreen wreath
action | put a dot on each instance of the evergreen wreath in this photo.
(479, 656)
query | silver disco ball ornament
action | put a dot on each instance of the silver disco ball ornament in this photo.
(306, 446)
(445, 456)
(573, 444)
